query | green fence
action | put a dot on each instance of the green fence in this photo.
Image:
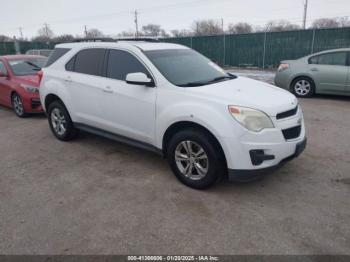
(265, 49)
(10, 48)
(255, 50)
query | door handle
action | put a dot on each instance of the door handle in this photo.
(314, 69)
(68, 79)
(108, 90)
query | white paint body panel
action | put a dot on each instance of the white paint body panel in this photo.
(145, 113)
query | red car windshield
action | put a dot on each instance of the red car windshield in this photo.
(24, 67)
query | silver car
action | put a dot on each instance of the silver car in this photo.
(327, 72)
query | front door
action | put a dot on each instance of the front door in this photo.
(127, 109)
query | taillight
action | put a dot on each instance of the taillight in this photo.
(283, 67)
(40, 75)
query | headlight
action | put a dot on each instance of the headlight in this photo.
(30, 89)
(253, 120)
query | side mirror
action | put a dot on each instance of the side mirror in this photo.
(139, 79)
(2, 74)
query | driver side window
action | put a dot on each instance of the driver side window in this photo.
(121, 63)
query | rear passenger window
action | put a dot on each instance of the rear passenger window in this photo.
(56, 54)
(338, 58)
(89, 61)
(121, 63)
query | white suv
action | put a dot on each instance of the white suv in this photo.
(169, 99)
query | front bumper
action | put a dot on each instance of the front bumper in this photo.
(251, 154)
(237, 175)
(32, 104)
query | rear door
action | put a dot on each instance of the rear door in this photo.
(330, 72)
(85, 82)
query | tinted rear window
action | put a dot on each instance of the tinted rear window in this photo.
(89, 61)
(56, 54)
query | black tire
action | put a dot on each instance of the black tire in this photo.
(18, 106)
(68, 132)
(216, 164)
(299, 91)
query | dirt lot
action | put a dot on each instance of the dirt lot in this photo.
(95, 196)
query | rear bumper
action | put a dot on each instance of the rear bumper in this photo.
(256, 174)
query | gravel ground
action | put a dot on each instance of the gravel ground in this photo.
(95, 196)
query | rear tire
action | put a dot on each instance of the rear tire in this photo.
(195, 158)
(18, 106)
(303, 87)
(60, 122)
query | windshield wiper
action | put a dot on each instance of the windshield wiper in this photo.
(192, 84)
(36, 67)
(219, 79)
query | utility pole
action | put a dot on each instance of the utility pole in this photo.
(305, 14)
(46, 28)
(20, 32)
(222, 24)
(136, 24)
(85, 31)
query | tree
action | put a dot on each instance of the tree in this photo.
(207, 27)
(240, 28)
(325, 23)
(344, 21)
(181, 33)
(94, 33)
(126, 34)
(153, 30)
(4, 38)
(280, 26)
(63, 38)
(44, 34)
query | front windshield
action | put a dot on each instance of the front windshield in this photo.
(28, 66)
(186, 67)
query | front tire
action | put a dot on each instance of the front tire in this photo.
(195, 159)
(303, 87)
(60, 122)
(18, 106)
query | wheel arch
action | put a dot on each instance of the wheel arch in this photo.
(300, 77)
(181, 125)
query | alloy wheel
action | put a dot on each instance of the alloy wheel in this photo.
(302, 87)
(18, 105)
(191, 160)
(58, 121)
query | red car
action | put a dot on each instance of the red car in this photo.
(19, 83)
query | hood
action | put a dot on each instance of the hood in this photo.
(249, 93)
(32, 80)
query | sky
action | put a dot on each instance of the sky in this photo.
(114, 16)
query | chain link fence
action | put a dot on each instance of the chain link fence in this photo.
(260, 50)
(265, 50)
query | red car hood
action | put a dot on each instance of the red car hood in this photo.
(32, 80)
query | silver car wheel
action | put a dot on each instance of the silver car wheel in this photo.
(191, 160)
(18, 105)
(302, 87)
(58, 121)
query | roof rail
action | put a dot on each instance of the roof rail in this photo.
(97, 39)
(141, 39)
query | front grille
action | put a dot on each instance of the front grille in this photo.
(286, 114)
(292, 133)
(36, 103)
